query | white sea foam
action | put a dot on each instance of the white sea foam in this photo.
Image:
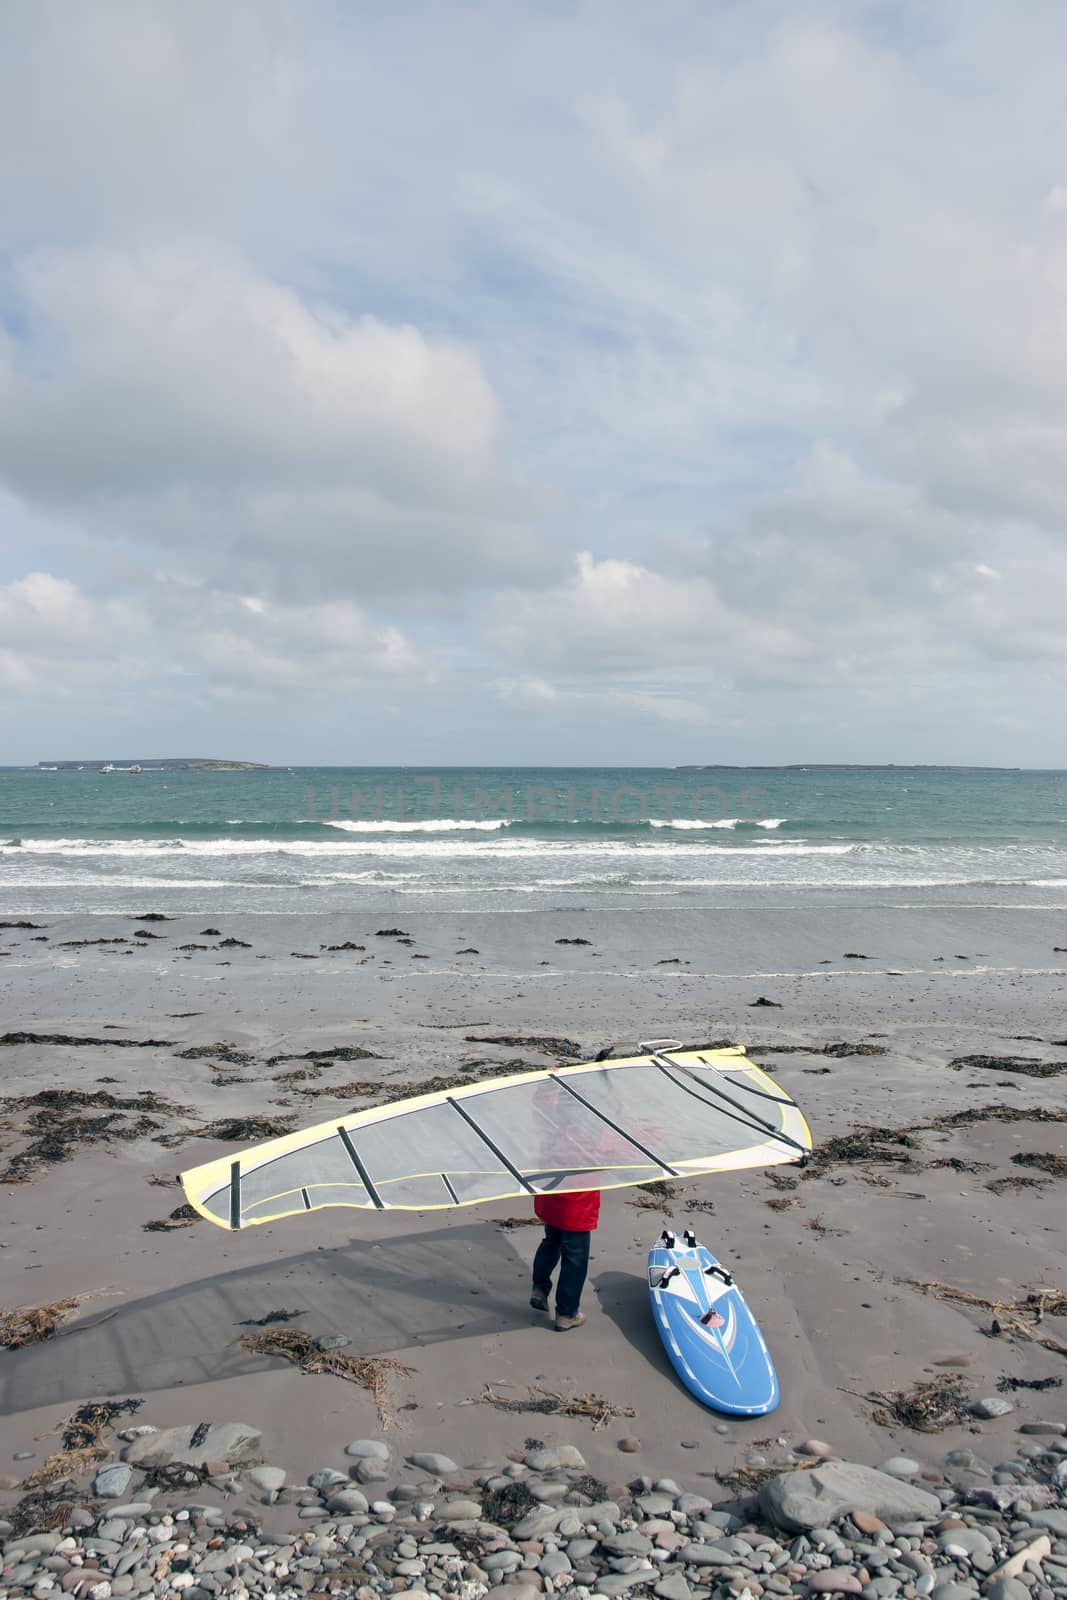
(432, 825)
(368, 846)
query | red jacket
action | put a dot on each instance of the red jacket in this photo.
(576, 1211)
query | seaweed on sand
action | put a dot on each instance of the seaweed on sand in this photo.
(232, 1130)
(1019, 1318)
(1015, 1181)
(1027, 1066)
(929, 1407)
(180, 1217)
(504, 1507)
(72, 1039)
(1010, 1385)
(340, 1091)
(372, 1373)
(507, 1223)
(58, 1138)
(271, 1316)
(336, 1052)
(33, 1324)
(83, 1442)
(655, 1196)
(222, 1051)
(1044, 1161)
(894, 1145)
(545, 1403)
(566, 1049)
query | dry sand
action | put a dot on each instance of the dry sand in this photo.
(831, 1277)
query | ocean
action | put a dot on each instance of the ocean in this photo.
(329, 838)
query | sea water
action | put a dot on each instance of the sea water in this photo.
(330, 838)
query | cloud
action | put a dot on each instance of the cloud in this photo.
(650, 375)
(203, 643)
(182, 398)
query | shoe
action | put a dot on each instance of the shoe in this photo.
(564, 1324)
(539, 1300)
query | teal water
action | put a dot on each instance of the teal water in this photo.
(305, 839)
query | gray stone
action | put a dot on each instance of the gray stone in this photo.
(501, 1561)
(371, 1469)
(550, 1458)
(695, 1505)
(428, 1461)
(964, 1541)
(673, 1587)
(993, 1405)
(325, 1476)
(112, 1482)
(459, 1510)
(368, 1448)
(553, 1563)
(900, 1467)
(223, 1441)
(655, 1505)
(538, 1521)
(817, 1495)
(614, 1583)
(1007, 1589)
(1055, 1521)
(706, 1555)
(330, 1341)
(348, 1500)
(627, 1544)
(950, 1590)
(267, 1478)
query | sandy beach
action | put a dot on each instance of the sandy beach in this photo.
(830, 1264)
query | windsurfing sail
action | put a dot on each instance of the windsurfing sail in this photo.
(598, 1125)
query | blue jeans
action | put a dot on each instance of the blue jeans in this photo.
(570, 1249)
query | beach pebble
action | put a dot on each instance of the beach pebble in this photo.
(1007, 1589)
(222, 1443)
(957, 1542)
(112, 1482)
(374, 1448)
(811, 1497)
(630, 1445)
(1054, 1521)
(900, 1467)
(868, 1523)
(439, 1466)
(815, 1447)
(1044, 1427)
(993, 1405)
(347, 1500)
(673, 1587)
(549, 1459)
(330, 1341)
(369, 1469)
(834, 1580)
(267, 1478)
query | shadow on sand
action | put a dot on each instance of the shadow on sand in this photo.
(415, 1289)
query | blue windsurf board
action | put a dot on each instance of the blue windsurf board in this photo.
(712, 1338)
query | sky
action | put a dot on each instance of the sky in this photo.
(549, 382)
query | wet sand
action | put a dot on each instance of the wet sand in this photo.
(830, 1272)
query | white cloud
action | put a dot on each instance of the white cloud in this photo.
(652, 373)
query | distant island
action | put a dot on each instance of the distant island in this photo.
(158, 764)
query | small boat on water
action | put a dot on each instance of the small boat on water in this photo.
(107, 767)
(136, 768)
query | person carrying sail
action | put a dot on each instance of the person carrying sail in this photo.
(569, 1219)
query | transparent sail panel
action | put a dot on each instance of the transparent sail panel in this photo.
(593, 1178)
(542, 1127)
(677, 1123)
(407, 1149)
(325, 1163)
